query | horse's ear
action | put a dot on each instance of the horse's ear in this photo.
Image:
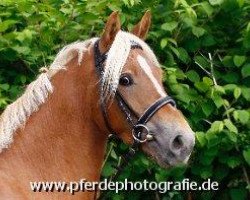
(113, 25)
(141, 29)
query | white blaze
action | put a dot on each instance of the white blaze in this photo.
(146, 68)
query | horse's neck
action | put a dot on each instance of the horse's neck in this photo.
(60, 141)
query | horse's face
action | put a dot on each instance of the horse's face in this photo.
(173, 139)
(141, 85)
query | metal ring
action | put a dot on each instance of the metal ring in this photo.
(140, 126)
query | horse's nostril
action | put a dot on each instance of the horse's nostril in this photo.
(177, 142)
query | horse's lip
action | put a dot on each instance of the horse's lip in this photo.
(153, 134)
(158, 157)
(156, 137)
(163, 160)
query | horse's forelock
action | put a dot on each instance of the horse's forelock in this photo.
(117, 57)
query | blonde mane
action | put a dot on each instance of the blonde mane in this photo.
(36, 94)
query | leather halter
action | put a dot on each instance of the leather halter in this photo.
(139, 126)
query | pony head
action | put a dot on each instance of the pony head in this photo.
(132, 69)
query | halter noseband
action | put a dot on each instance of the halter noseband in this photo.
(140, 125)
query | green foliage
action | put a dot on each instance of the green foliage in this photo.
(204, 47)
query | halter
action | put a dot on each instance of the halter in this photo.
(138, 127)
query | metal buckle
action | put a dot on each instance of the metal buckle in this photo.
(147, 137)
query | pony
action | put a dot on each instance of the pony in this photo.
(56, 131)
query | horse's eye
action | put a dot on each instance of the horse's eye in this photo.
(126, 80)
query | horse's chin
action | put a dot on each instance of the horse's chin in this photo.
(164, 161)
(163, 164)
(170, 164)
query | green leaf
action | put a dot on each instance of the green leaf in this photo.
(191, 13)
(231, 77)
(201, 61)
(245, 71)
(193, 76)
(201, 86)
(206, 172)
(107, 170)
(4, 86)
(207, 108)
(246, 93)
(145, 161)
(248, 27)
(208, 81)
(217, 126)
(184, 57)
(246, 40)
(232, 136)
(246, 155)
(237, 92)
(230, 126)
(164, 43)
(208, 40)
(211, 151)
(23, 79)
(219, 89)
(238, 194)
(241, 115)
(233, 162)
(216, 2)
(198, 31)
(113, 154)
(22, 49)
(132, 2)
(207, 160)
(207, 8)
(173, 41)
(184, 3)
(201, 138)
(128, 2)
(230, 87)
(160, 177)
(218, 101)
(241, 2)
(169, 26)
(6, 24)
(239, 60)
(227, 61)
(175, 51)
(220, 172)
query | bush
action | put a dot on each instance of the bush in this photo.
(204, 47)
